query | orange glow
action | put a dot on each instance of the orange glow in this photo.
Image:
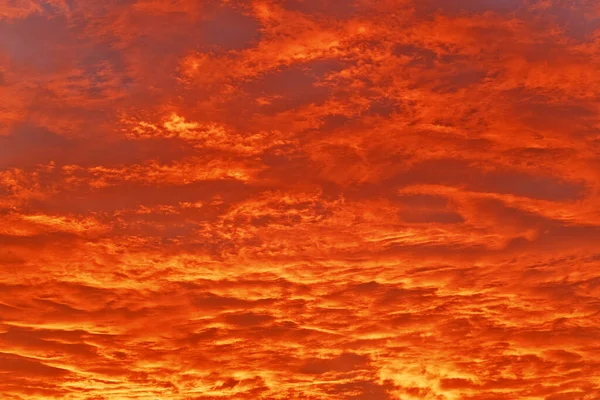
(299, 199)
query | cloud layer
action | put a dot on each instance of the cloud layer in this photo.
(299, 199)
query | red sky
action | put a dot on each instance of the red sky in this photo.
(287, 199)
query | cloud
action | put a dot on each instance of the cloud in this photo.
(299, 199)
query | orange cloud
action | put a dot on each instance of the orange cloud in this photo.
(299, 199)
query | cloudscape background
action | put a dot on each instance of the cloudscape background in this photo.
(299, 199)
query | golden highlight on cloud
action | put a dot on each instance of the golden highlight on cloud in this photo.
(299, 199)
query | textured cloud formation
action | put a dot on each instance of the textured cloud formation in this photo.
(299, 199)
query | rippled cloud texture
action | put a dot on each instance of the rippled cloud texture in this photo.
(299, 199)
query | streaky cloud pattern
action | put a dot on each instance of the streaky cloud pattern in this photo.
(300, 199)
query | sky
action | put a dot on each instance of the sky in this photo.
(299, 199)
